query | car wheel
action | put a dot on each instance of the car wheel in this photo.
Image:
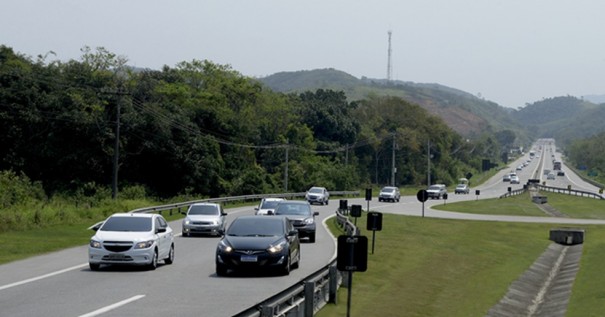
(154, 261)
(170, 257)
(185, 234)
(94, 266)
(221, 270)
(296, 264)
(312, 237)
(286, 268)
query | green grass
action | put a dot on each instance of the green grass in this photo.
(521, 205)
(436, 267)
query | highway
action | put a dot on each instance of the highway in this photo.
(61, 284)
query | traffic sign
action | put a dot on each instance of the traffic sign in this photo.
(422, 195)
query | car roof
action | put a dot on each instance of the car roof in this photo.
(131, 214)
(260, 217)
(274, 199)
(294, 202)
(204, 204)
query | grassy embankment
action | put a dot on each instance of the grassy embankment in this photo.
(436, 267)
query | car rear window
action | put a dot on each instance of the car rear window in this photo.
(135, 224)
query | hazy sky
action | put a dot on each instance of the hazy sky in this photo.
(511, 52)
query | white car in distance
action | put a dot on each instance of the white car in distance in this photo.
(267, 206)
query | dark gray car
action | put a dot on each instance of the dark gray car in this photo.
(301, 216)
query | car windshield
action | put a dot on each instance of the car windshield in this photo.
(434, 187)
(267, 226)
(136, 224)
(209, 210)
(461, 186)
(269, 204)
(388, 190)
(293, 209)
(315, 190)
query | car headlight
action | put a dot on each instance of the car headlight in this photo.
(95, 244)
(277, 248)
(224, 247)
(186, 221)
(144, 244)
(309, 221)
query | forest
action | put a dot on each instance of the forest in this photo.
(203, 129)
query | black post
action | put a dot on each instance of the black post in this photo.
(373, 238)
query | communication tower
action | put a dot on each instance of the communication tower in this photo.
(389, 66)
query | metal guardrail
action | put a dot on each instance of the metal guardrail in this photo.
(308, 296)
(232, 199)
(570, 191)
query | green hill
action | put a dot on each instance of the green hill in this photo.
(465, 113)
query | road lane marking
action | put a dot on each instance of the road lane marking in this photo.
(3, 287)
(112, 306)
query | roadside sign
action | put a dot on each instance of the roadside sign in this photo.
(422, 195)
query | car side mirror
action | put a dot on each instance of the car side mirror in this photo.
(96, 226)
(270, 212)
(316, 213)
(293, 233)
(223, 213)
(221, 232)
(160, 230)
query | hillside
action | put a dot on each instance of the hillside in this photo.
(563, 118)
(466, 114)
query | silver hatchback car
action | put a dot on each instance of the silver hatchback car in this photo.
(204, 218)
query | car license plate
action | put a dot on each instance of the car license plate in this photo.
(249, 258)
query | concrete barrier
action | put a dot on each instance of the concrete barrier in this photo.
(567, 236)
(539, 199)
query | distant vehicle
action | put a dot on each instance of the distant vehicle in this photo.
(267, 205)
(506, 177)
(258, 242)
(301, 215)
(560, 173)
(204, 218)
(318, 195)
(532, 154)
(461, 189)
(557, 166)
(437, 191)
(551, 176)
(514, 179)
(389, 193)
(131, 239)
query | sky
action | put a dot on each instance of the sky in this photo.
(512, 52)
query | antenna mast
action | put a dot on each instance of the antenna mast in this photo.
(389, 66)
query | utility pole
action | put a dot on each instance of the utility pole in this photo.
(428, 163)
(116, 154)
(116, 150)
(286, 169)
(393, 168)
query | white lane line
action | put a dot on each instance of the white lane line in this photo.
(112, 307)
(3, 287)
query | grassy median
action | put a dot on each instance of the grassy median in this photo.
(437, 267)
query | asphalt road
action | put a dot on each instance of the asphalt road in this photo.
(61, 284)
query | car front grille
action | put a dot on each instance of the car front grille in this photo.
(202, 223)
(117, 246)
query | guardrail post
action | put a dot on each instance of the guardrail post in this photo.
(333, 287)
(309, 299)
